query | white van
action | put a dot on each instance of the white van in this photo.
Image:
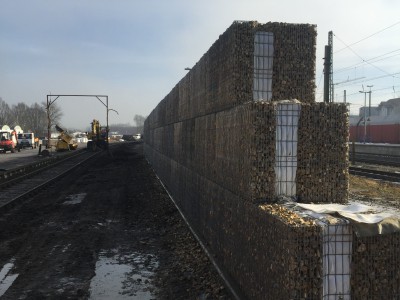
(26, 140)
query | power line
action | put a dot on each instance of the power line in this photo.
(361, 57)
(367, 37)
(373, 78)
(376, 90)
(369, 61)
(374, 59)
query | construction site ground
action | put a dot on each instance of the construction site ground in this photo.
(106, 231)
(375, 192)
(110, 231)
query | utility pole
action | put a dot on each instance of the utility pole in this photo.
(328, 70)
(365, 114)
(369, 107)
(330, 43)
(369, 111)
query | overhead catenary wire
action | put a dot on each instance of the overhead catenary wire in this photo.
(370, 79)
(370, 61)
(379, 94)
(376, 90)
(359, 56)
(374, 59)
(367, 37)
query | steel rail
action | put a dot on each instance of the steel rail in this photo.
(375, 174)
(376, 159)
(14, 194)
(12, 176)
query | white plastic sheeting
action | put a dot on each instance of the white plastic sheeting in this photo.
(337, 232)
(336, 261)
(366, 220)
(287, 118)
(263, 61)
(336, 208)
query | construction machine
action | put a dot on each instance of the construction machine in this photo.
(8, 140)
(97, 137)
(65, 141)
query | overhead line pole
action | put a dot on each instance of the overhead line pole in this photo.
(328, 70)
(365, 110)
(369, 110)
(50, 102)
(330, 43)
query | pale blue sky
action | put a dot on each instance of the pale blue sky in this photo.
(136, 51)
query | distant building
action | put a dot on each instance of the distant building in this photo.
(369, 111)
(381, 126)
(386, 112)
(390, 107)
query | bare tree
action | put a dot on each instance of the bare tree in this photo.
(5, 113)
(55, 112)
(38, 119)
(139, 120)
(30, 118)
(20, 116)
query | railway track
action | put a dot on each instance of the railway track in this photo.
(25, 181)
(385, 160)
(376, 159)
(375, 174)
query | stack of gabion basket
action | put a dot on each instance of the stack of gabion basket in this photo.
(215, 145)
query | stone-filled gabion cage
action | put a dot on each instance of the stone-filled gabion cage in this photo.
(230, 139)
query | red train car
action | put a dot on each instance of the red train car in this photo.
(375, 133)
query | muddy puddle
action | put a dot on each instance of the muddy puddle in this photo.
(121, 277)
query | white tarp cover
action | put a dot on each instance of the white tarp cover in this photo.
(365, 222)
(337, 239)
(334, 207)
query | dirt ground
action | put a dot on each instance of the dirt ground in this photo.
(376, 192)
(107, 231)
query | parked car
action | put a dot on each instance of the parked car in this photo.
(26, 140)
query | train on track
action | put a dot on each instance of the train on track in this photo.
(376, 133)
(379, 124)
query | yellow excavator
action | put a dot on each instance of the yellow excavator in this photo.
(65, 141)
(97, 138)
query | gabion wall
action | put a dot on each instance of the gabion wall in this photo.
(214, 148)
(220, 166)
(235, 148)
(223, 77)
(322, 171)
(376, 267)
